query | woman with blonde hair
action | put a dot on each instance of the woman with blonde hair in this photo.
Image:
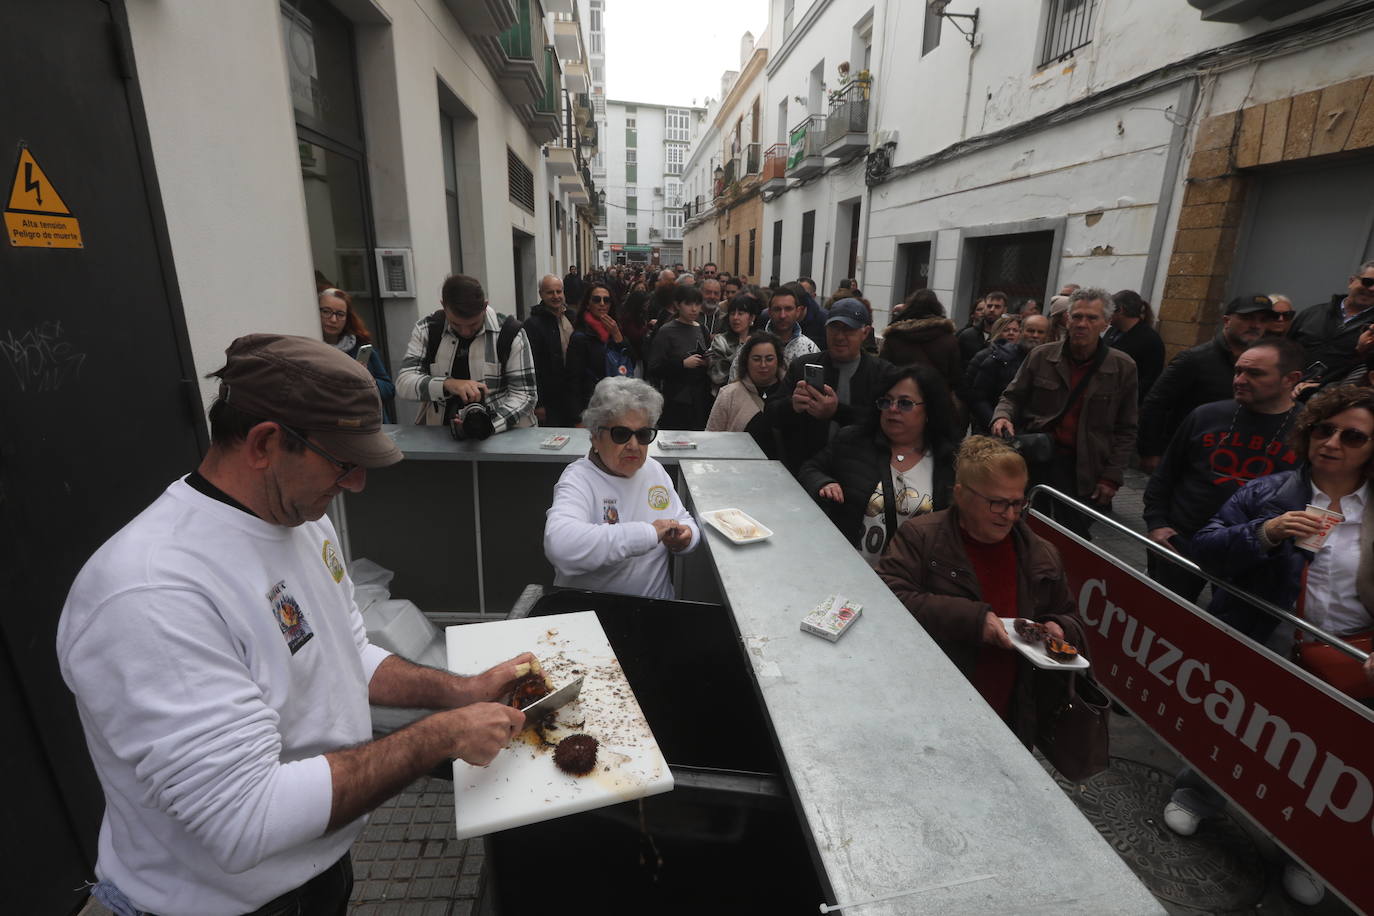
(953, 570)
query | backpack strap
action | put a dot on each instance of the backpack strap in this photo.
(435, 327)
(509, 328)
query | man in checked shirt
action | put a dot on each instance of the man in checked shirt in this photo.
(466, 353)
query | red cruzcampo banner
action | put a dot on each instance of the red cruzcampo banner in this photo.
(1295, 755)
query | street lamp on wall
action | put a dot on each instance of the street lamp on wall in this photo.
(939, 7)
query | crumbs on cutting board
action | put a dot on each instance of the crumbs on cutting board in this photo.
(606, 709)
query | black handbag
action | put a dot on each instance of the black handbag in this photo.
(1071, 724)
(1036, 448)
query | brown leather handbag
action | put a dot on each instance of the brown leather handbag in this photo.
(1071, 723)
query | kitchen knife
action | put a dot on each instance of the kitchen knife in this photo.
(556, 700)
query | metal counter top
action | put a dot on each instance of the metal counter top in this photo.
(435, 443)
(905, 775)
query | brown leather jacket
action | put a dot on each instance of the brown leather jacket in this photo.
(929, 572)
(1107, 424)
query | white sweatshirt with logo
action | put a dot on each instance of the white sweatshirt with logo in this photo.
(599, 532)
(215, 658)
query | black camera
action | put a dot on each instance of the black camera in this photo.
(469, 421)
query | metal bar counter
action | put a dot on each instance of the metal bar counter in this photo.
(470, 538)
(435, 443)
(906, 777)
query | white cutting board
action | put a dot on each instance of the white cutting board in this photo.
(523, 785)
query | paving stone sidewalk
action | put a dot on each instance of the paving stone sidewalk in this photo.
(410, 862)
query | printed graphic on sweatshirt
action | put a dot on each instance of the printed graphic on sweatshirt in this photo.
(658, 498)
(609, 513)
(332, 562)
(294, 628)
(1238, 458)
(914, 494)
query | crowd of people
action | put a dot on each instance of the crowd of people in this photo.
(222, 670)
(921, 442)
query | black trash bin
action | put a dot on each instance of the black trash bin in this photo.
(729, 838)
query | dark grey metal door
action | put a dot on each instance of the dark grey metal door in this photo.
(1305, 230)
(97, 401)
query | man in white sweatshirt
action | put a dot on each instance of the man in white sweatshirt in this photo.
(222, 671)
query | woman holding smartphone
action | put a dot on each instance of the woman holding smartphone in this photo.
(344, 328)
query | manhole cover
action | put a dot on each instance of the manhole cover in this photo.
(1215, 870)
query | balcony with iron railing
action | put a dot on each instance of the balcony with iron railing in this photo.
(846, 127)
(774, 173)
(513, 56)
(546, 123)
(752, 155)
(518, 40)
(805, 155)
(549, 99)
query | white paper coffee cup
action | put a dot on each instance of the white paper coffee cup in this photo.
(1315, 542)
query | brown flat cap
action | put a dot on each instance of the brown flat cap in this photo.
(313, 387)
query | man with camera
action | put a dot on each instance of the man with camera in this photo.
(469, 370)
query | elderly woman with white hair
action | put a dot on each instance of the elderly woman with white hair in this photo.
(615, 517)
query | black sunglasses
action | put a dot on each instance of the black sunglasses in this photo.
(621, 434)
(599, 299)
(345, 467)
(1367, 282)
(1350, 438)
(1283, 316)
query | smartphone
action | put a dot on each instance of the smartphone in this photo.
(814, 375)
(1313, 372)
(364, 354)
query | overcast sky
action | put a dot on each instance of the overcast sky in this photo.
(674, 51)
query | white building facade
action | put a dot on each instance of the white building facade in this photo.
(725, 165)
(1144, 146)
(347, 129)
(646, 148)
(594, 24)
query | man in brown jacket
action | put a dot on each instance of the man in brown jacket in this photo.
(950, 569)
(1082, 393)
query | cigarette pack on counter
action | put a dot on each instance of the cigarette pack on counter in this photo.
(681, 442)
(832, 617)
